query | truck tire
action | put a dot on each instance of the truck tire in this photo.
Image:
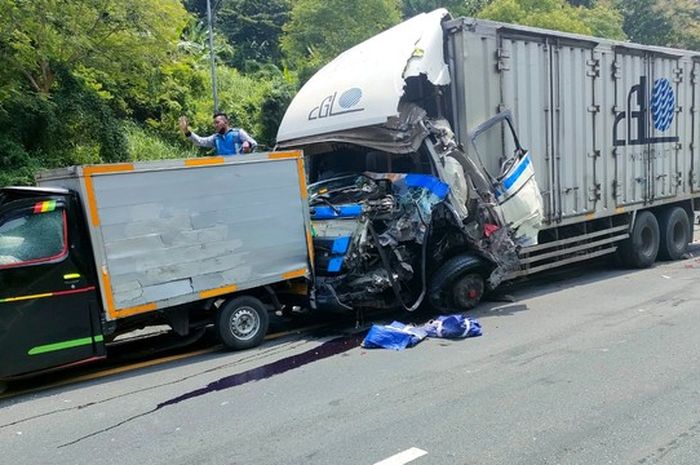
(674, 226)
(241, 322)
(642, 247)
(458, 285)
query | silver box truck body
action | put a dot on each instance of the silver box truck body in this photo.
(172, 232)
(611, 126)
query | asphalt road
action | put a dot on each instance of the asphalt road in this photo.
(592, 365)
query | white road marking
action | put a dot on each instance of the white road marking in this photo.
(409, 455)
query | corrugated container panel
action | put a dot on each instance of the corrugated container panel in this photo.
(684, 154)
(630, 160)
(694, 146)
(664, 76)
(574, 153)
(525, 81)
(605, 95)
(476, 99)
(167, 231)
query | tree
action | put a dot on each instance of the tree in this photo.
(70, 69)
(110, 43)
(601, 20)
(254, 28)
(673, 23)
(319, 30)
(684, 19)
(410, 8)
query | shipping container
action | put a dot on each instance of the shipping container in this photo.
(610, 125)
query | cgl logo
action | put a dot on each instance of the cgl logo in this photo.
(334, 106)
(661, 111)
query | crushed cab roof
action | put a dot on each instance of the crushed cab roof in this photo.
(363, 86)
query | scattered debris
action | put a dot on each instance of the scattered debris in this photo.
(453, 327)
(398, 336)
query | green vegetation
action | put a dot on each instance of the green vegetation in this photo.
(91, 81)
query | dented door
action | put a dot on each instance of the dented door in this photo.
(514, 184)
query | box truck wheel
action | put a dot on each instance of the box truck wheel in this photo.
(641, 248)
(674, 225)
(242, 322)
(457, 285)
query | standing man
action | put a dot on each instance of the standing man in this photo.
(226, 140)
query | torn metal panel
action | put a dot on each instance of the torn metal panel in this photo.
(517, 193)
(363, 86)
(427, 57)
(399, 216)
(401, 133)
(521, 201)
(383, 263)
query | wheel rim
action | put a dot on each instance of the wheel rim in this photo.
(245, 323)
(467, 291)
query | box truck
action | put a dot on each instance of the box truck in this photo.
(577, 146)
(94, 252)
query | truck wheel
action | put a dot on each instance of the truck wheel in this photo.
(457, 285)
(641, 248)
(674, 225)
(241, 322)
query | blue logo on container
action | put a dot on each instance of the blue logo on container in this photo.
(632, 125)
(663, 104)
(350, 98)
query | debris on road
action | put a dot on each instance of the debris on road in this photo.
(453, 327)
(398, 336)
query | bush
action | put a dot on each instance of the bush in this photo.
(144, 144)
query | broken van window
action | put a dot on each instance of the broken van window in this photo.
(30, 238)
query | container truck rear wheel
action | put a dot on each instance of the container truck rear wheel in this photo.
(674, 225)
(457, 285)
(642, 247)
(242, 322)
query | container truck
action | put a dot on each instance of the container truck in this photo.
(94, 252)
(608, 162)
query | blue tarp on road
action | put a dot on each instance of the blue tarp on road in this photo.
(398, 336)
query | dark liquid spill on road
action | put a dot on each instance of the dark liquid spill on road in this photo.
(325, 350)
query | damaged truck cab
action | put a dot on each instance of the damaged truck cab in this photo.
(401, 213)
